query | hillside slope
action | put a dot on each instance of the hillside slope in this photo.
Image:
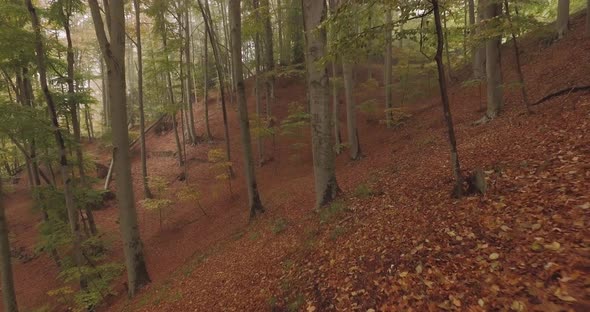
(396, 240)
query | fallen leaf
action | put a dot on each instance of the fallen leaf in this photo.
(517, 306)
(494, 256)
(553, 246)
(563, 296)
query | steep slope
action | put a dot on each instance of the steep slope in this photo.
(397, 240)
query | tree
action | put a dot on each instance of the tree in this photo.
(458, 188)
(563, 18)
(326, 186)
(479, 54)
(268, 56)
(63, 160)
(205, 12)
(517, 58)
(143, 151)
(208, 134)
(254, 201)
(113, 51)
(495, 100)
(8, 294)
(388, 66)
(190, 95)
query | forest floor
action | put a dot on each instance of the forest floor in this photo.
(396, 240)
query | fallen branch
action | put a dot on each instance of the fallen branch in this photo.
(146, 131)
(562, 92)
(112, 162)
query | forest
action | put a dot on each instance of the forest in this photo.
(295, 155)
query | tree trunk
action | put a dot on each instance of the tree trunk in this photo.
(388, 67)
(8, 293)
(458, 188)
(326, 187)
(479, 56)
(190, 96)
(257, 52)
(493, 70)
(268, 57)
(179, 149)
(106, 108)
(255, 204)
(74, 109)
(218, 65)
(563, 18)
(114, 53)
(283, 55)
(517, 58)
(335, 112)
(66, 178)
(351, 129)
(206, 82)
(143, 151)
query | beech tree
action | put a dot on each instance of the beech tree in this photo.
(326, 186)
(8, 293)
(495, 100)
(563, 18)
(388, 66)
(113, 51)
(63, 160)
(254, 202)
(442, 82)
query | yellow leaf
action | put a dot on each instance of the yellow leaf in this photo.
(563, 296)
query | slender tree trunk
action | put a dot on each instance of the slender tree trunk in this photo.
(67, 181)
(255, 204)
(445, 101)
(106, 109)
(335, 112)
(74, 109)
(268, 58)
(190, 96)
(479, 57)
(217, 56)
(257, 52)
(179, 149)
(470, 27)
(563, 18)
(282, 60)
(351, 129)
(8, 293)
(206, 83)
(388, 68)
(114, 53)
(446, 39)
(143, 150)
(493, 70)
(517, 58)
(326, 187)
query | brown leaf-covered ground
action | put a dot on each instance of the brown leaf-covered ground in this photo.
(396, 240)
